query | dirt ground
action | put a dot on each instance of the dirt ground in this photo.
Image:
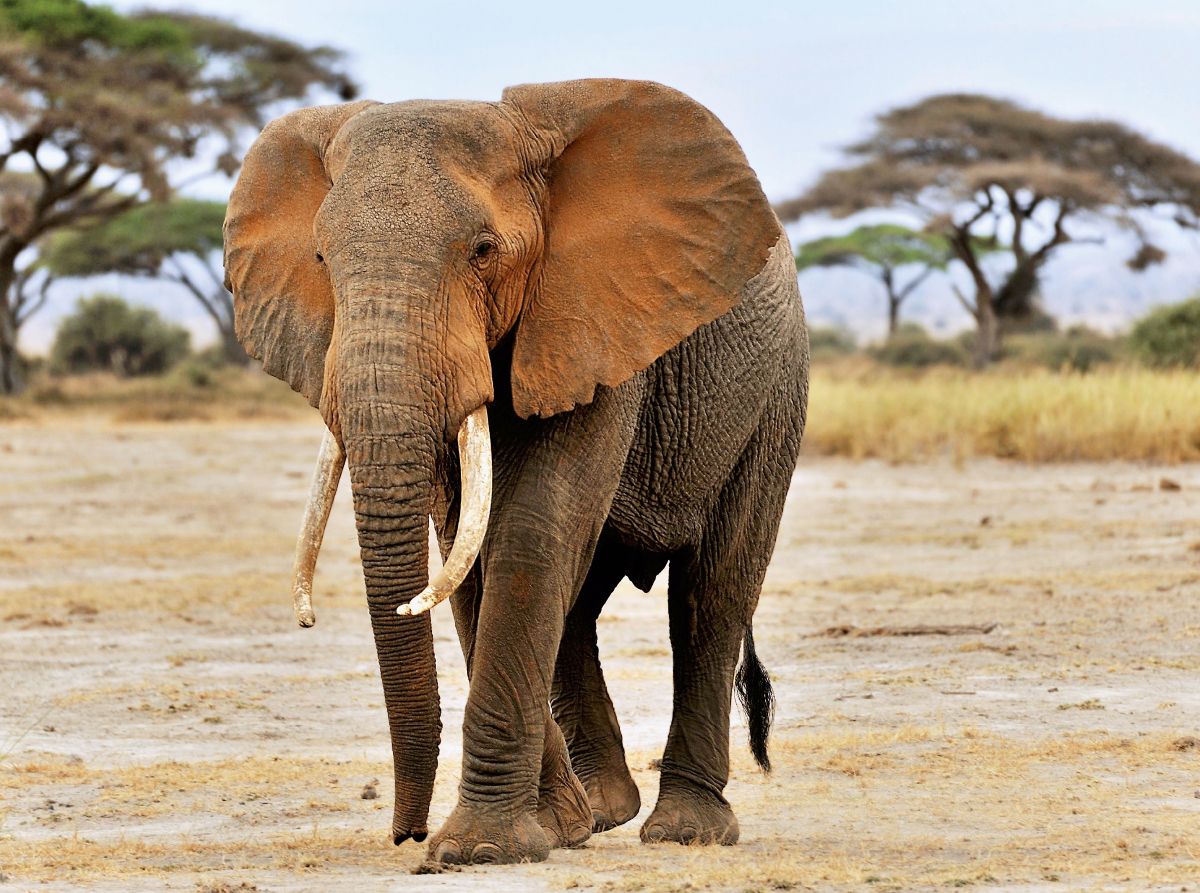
(165, 725)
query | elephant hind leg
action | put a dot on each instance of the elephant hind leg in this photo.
(713, 591)
(580, 700)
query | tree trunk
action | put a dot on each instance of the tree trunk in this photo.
(987, 336)
(1014, 299)
(894, 300)
(11, 378)
(232, 349)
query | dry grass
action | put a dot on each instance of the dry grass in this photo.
(86, 835)
(857, 408)
(177, 595)
(191, 393)
(866, 411)
(890, 807)
(894, 808)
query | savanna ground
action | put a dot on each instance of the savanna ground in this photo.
(164, 724)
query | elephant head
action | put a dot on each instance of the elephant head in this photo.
(378, 254)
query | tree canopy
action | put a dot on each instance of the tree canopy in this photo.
(152, 240)
(973, 166)
(880, 250)
(97, 105)
(140, 242)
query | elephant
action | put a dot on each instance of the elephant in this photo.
(566, 327)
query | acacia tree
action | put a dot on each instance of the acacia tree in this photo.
(976, 169)
(154, 240)
(881, 251)
(95, 106)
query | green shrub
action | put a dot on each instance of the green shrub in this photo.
(213, 357)
(106, 334)
(825, 342)
(196, 373)
(1168, 336)
(1079, 348)
(912, 348)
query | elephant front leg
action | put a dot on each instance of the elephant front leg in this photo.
(504, 727)
(563, 808)
(550, 503)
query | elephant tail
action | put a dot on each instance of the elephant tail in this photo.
(758, 699)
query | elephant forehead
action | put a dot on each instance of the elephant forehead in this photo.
(417, 164)
(447, 137)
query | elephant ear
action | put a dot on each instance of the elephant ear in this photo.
(282, 296)
(654, 222)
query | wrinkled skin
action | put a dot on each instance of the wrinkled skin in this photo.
(596, 263)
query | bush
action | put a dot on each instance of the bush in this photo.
(912, 348)
(827, 342)
(1168, 336)
(106, 334)
(1079, 348)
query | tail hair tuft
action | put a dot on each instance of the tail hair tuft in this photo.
(757, 698)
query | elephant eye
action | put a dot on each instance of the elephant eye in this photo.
(320, 257)
(483, 249)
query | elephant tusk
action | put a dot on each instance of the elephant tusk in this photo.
(475, 461)
(330, 462)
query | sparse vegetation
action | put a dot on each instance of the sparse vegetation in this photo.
(105, 334)
(913, 760)
(154, 241)
(196, 390)
(912, 348)
(881, 251)
(1169, 336)
(968, 166)
(1079, 349)
(867, 411)
(97, 107)
(825, 342)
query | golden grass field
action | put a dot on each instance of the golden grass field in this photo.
(862, 410)
(165, 725)
(858, 409)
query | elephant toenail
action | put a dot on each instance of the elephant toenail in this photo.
(487, 854)
(688, 836)
(448, 853)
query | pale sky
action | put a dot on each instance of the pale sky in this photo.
(792, 80)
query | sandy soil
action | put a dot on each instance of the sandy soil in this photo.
(165, 725)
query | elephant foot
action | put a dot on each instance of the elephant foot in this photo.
(563, 809)
(691, 815)
(613, 796)
(564, 812)
(475, 835)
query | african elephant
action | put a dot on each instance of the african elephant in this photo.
(585, 286)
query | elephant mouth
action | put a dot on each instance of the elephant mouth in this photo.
(475, 462)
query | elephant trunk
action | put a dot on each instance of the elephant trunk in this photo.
(392, 443)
